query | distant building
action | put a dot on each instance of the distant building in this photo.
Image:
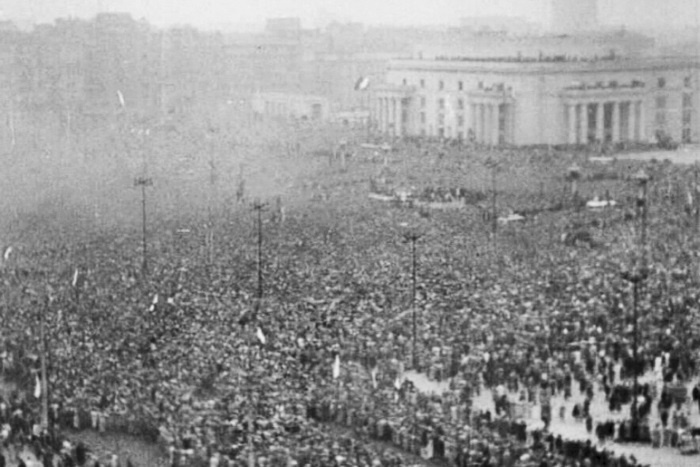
(572, 16)
(492, 45)
(498, 24)
(292, 106)
(548, 101)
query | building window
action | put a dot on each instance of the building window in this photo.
(460, 104)
(422, 102)
(460, 121)
(688, 81)
(422, 83)
(441, 85)
(422, 118)
(460, 86)
(441, 104)
(662, 82)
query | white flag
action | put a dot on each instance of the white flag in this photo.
(397, 383)
(37, 388)
(76, 274)
(261, 336)
(154, 303)
(121, 98)
(8, 250)
(336, 367)
(373, 372)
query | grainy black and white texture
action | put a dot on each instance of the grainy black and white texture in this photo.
(348, 234)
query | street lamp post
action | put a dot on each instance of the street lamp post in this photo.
(413, 237)
(259, 207)
(696, 206)
(144, 182)
(635, 278)
(45, 422)
(492, 165)
(250, 328)
(642, 179)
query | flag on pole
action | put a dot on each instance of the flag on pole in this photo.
(121, 98)
(261, 336)
(336, 366)
(154, 303)
(7, 253)
(362, 83)
(37, 387)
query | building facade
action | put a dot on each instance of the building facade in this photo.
(532, 102)
(293, 106)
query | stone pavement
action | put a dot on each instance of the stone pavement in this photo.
(576, 430)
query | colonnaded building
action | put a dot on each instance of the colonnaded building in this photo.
(510, 101)
(579, 85)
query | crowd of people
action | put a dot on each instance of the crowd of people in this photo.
(185, 352)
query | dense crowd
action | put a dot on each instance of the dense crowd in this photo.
(187, 355)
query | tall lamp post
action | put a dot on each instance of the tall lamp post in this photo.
(413, 237)
(493, 166)
(144, 182)
(636, 276)
(259, 207)
(642, 179)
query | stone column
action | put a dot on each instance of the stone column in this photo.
(616, 122)
(571, 115)
(480, 118)
(631, 121)
(599, 122)
(642, 121)
(399, 116)
(381, 112)
(472, 119)
(494, 124)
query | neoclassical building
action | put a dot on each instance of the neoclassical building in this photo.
(544, 100)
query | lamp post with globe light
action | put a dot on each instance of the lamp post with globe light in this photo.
(413, 236)
(636, 276)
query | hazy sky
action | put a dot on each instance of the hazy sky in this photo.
(318, 12)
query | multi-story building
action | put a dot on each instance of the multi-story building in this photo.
(542, 101)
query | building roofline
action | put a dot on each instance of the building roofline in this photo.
(543, 67)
